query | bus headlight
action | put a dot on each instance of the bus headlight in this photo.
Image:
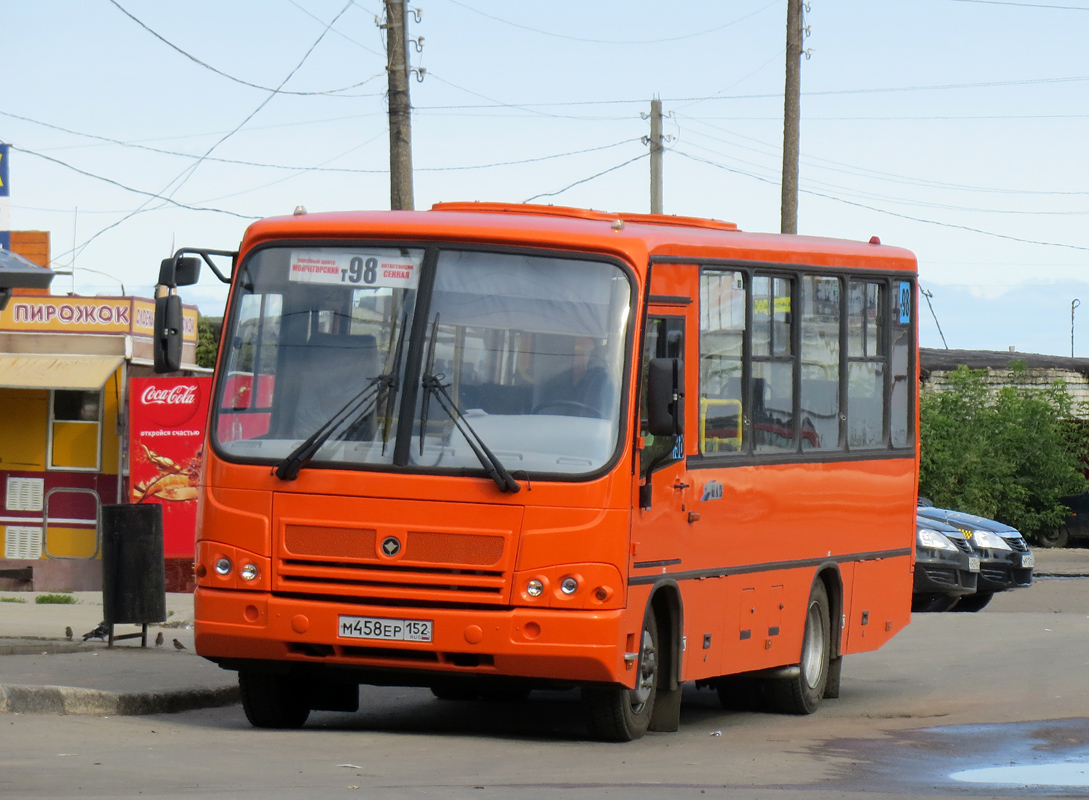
(534, 588)
(569, 585)
(223, 566)
(248, 572)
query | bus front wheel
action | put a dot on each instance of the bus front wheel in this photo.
(620, 714)
(272, 701)
(802, 693)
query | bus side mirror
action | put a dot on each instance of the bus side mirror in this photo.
(179, 271)
(665, 397)
(168, 333)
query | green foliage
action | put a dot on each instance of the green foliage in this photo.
(55, 599)
(1007, 455)
(207, 341)
(12, 600)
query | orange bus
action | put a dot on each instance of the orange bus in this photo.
(491, 448)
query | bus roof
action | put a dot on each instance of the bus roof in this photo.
(639, 237)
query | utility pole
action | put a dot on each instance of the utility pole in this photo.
(400, 108)
(655, 143)
(792, 113)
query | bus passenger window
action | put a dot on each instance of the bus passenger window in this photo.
(772, 413)
(900, 422)
(866, 365)
(722, 339)
(819, 389)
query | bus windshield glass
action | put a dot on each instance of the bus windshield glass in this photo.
(344, 342)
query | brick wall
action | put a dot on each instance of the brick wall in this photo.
(1076, 383)
(33, 246)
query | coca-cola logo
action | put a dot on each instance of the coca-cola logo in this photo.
(175, 396)
(171, 405)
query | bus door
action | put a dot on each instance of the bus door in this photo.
(664, 496)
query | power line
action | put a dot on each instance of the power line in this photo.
(220, 72)
(612, 41)
(778, 96)
(1022, 5)
(187, 173)
(883, 210)
(127, 188)
(586, 180)
(851, 169)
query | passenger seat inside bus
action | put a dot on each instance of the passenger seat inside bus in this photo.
(331, 369)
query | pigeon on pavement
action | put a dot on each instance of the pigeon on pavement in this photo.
(101, 632)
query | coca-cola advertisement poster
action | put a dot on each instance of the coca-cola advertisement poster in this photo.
(167, 418)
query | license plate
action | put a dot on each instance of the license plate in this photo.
(389, 630)
(1028, 560)
(973, 563)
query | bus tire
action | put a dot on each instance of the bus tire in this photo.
(620, 714)
(272, 701)
(802, 693)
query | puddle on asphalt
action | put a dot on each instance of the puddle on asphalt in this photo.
(1045, 758)
(1064, 774)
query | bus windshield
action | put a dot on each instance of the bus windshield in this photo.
(344, 341)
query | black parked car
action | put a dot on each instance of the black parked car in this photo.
(1076, 527)
(1005, 561)
(946, 566)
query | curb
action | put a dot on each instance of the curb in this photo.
(16, 699)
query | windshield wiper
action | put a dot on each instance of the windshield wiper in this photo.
(432, 384)
(288, 469)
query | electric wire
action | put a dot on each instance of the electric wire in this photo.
(184, 176)
(587, 180)
(220, 72)
(613, 41)
(885, 211)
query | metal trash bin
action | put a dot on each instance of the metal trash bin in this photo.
(133, 567)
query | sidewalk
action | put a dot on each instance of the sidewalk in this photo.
(41, 671)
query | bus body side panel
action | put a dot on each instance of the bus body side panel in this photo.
(748, 564)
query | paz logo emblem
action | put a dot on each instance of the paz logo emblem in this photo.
(391, 546)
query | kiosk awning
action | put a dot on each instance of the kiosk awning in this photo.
(86, 373)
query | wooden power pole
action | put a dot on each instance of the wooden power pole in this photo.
(400, 108)
(792, 117)
(655, 143)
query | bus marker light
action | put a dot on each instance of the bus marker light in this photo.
(223, 566)
(201, 570)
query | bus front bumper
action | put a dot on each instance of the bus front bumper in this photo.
(546, 644)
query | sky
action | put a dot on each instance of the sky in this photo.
(953, 128)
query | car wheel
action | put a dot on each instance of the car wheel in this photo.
(272, 701)
(973, 602)
(620, 714)
(802, 693)
(932, 603)
(1056, 537)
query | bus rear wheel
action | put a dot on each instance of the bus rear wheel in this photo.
(802, 693)
(620, 714)
(272, 701)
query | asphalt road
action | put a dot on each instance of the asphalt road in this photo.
(1004, 689)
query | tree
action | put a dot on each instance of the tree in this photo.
(207, 341)
(1008, 455)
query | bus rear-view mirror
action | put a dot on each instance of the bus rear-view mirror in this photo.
(665, 397)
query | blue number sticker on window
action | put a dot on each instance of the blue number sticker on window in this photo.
(905, 303)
